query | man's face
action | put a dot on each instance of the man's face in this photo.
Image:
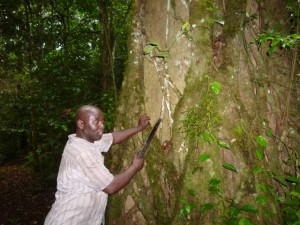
(93, 125)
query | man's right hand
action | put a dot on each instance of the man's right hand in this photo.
(122, 179)
(138, 163)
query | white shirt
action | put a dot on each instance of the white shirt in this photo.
(81, 178)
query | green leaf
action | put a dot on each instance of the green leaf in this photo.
(182, 200)
(203, 157)
(293, 179)
(229, 167)
(295, 194)
(298, 215)
(187, 208)
(223, 144)
(163, 54)
(206, 207)
(231, 221)
(269, 132)
(262, 187)
(295, 36)
(148, 49)
(234, 212)
(213, 186)
(185, 26)
(215, 190)
(271, 50)
(293, 202)
(239, 130)
(208, 136)
(192, 192)
(289, 210)
(297, 222)
(261, 141)
(261, 200)
(259, 153)
(257, 169)
(245, 221)
(280, 180)
(215, 86)
(64, 127)
(214, 182)
(221, 22)
(249, 208)
(152, 43)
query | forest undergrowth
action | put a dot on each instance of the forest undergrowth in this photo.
(25, 197)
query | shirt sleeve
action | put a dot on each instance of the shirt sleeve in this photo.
(104, 143)
(95, 173)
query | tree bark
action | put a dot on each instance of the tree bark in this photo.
(178, 185)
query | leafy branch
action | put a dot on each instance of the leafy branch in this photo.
(278, 41)
(153, 47)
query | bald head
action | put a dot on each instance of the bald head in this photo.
(84, 110)
(89, 123)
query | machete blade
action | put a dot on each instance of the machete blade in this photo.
(141, 153)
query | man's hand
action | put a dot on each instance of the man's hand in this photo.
(138, 163)
(122, 179)
(120, 136)
(143, 121)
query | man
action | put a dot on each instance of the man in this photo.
(83, 182)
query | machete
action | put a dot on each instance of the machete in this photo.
(142, 153)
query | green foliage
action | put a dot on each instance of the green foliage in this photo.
(223, 144)
(234, 214)
(244, 221)
(155, 50)
(203, 117)
(215, 86)
(229, 167)
(200, 125)
(262, 145)
(186, 208)
(203, 157)
(214, 187)
(108, 105)
(186, 26)
(249, 208)
(206, 207)
(259, 153)
(291, 185)
(50, 65)
(276, 40)
(237, 214)
(261, 141)
(283, 41)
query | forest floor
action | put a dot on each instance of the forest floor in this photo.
(25, 197)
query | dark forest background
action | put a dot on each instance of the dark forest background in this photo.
(56, 56)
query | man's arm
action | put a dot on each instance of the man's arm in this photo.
(122, 179)
(119, 136)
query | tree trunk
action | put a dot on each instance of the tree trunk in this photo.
(230, 115)
(107, 60)
(33, 126)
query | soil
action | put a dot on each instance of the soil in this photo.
(25, 197)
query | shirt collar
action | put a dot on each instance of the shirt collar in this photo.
(73, 138)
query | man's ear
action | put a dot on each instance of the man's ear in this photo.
(80, 124)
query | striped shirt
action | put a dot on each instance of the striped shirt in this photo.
(82, 176)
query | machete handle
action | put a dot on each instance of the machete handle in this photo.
(140, 154)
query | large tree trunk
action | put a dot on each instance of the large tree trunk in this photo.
(189, 174)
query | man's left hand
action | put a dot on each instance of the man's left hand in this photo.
(143, 121)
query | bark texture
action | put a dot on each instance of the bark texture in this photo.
(175, 81)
